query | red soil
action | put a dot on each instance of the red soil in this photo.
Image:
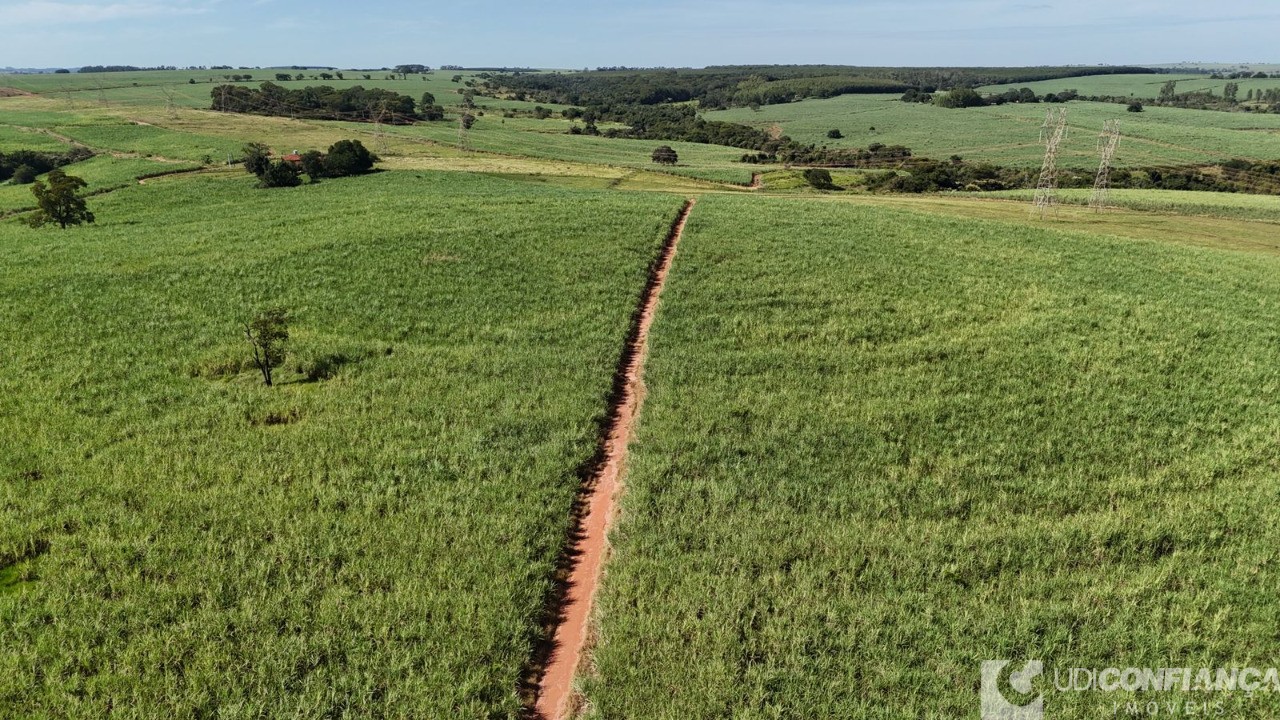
(587, 555)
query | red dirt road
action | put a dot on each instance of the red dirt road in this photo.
(555, 697)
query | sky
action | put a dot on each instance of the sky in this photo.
(592, 33)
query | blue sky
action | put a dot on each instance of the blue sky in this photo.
(589, 33)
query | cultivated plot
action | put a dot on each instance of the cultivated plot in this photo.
(879, 447)
(373, 536)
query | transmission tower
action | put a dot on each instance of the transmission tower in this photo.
(1108, 141)
(1052, 133)
(378, 133)
(170, 106)
(465, 120)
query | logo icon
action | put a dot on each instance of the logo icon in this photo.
(995, 702)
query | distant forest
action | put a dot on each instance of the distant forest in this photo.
(717, 88)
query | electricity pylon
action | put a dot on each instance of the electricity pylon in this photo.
(1108, 141)
(170, 105)
(1052, 133)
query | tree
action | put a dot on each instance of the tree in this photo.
(59, 201)
(428, 100)
(24, 175)
(257, 158)
(1231, 93)
(313, 165)
(819, 178)
(834, 134)
(665, 155)
(468, 120)
(348, 157)
(1169, 91)
(1135, 107)
(961, 97)
(279, 174)
(267, 335)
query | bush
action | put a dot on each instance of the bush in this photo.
(279, 174)
(959, 98)
(835, 134)
(257, 158)
(24, 175)
(1135, 107)
(819, 178)
(313, 164)
(665, 155)
(348, 157)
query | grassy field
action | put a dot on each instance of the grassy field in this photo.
(1139, 86)
(881, 446)
(1010, 134)
(152, 88)
(885, 437)
(102, 172)
(180, 541)
(1227, 205)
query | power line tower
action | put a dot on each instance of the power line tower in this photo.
(170, 105)
(465, 121)
(1052, 133)
(1108, 141)
(379, 114)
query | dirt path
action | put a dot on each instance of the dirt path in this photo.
(556, 664)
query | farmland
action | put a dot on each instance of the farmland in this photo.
(880, 437)
(872, 455)
(1009, 134)
(361, 543)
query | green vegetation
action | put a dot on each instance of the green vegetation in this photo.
(375, 543)
(1009, 134)
(1212, 204)
(886, 436)
(880, 446)
(59, 201)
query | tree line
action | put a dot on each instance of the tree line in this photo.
(324, 103)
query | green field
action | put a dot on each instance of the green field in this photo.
(1248, 207)
(1139, 86)
(881, 446)
(375, 543)
(152, 88)
(883, 437)
(1010, 134)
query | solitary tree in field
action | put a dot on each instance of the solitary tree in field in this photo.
(257, 158)
(348, 157)
(59, 201)
(665, 155)
(267, 334)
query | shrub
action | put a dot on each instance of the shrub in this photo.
(313, 164)
(665, 155)
(24, 175)
(835, 134)
(348, 157)
(819, 178)
(279, 174)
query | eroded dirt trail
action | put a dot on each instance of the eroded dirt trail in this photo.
(584, 560)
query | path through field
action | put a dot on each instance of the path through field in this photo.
(589, 541)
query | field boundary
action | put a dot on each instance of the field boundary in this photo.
(547, 690)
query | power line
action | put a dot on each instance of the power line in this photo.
(1052, 133)
(1108, 141)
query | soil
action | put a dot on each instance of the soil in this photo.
(558, 661)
